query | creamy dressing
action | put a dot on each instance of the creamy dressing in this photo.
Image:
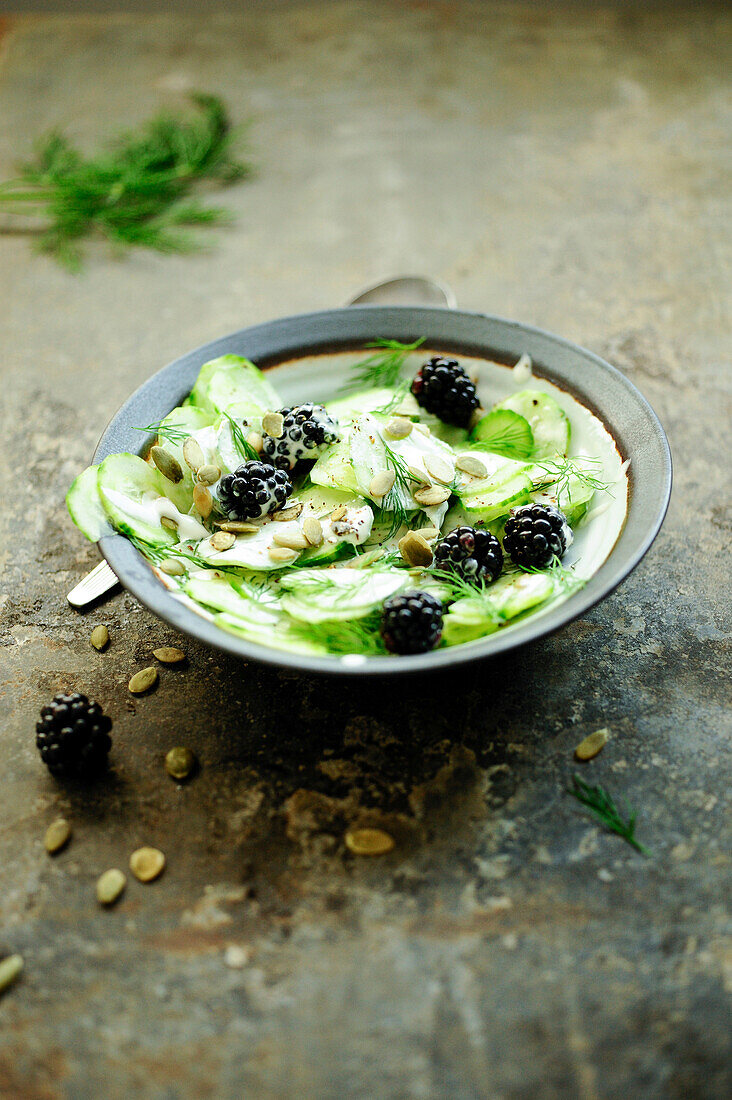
(151, 509)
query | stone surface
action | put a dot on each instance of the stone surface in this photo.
(564, 166)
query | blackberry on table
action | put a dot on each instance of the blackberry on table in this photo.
(306, 432)
(471, 553)
(72, 736)
(535, 534)
(442, 387)
(411, 622)
(253, 490)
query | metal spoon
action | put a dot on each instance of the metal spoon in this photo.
(403, 290)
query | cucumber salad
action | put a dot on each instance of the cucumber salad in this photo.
(433, 501)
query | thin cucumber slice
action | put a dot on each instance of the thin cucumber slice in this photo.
(85, 506)
(547, 420)
(511, 595)
(498, 471)
(492, 503)
(368, 401)
(573, 499)
(334, 470)
(317, 596)
(505, 432)
(129, 489)
(278, 636)
(222, 594)
(231, 380)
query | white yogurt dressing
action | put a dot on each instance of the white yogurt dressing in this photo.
(151, 509)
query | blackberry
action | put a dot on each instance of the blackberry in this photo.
(306, 432)
(253, 490)
(473, 555)
(535, 534)
(443, 388)
(411, 622)
(73, 736)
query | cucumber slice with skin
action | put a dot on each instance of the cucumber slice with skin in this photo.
(129, 489)
(230, 380)
(85, 505)
(499, 470)
(511, 595)
(222, 594)
(499, 501)
(505, 432)
(547, 420)
(318, 596)
(334, 470)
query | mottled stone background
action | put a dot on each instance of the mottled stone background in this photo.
(557, 164)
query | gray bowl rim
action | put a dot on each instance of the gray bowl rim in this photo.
(595, 382)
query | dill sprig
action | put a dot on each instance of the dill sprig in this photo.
(562, 575)
(165, 431)
(134, 194)
(343, 637)
(400, 393)
(460, 589)
(383, 367)
(394, 501)
(559, 472)
(156, 552)
(602, 807)
(245, 449)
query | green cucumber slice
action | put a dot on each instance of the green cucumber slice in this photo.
(506, 433)
(85, 506)
(231, 380)
(320, 595)
(222, 594)
(334, 470)
(492, 503)
(511, 595)
(547, 420)
(128, 488)
(573, 499)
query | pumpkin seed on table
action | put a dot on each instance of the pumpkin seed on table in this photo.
(10, 969)
(169, 655)
(202, 500)
(193, 453)
(143, 680)
(147, 863)
(169, 467)
(368, 842)
(110, 885)
(173, 567)
(415, 549)
(180, 762)
(58, 834)
(208, 475)
(273, 424)
(592, 744)
(223, 540)
(382, 483)
(99, 637)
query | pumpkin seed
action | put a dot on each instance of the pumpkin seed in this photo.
(208, 475)
(398, 427)
(255, 441)
(238, 527)
(110, 885)
(287, 514)
(292, 540)
(338, 513)
(471, 464)
(592, 744)
(432, 494)
(179, 762)
(382, 483)
(273, 424)
(418, 476)
(223, 540)
(58, 835)
(193, 453)
(415, 549)
(202, 500)
(312, 529)
(281, 553)
(169, 655)
(99, 637)
(168, 524)
(428, 532)
(439, 468)
(368, 842)
(422, 429)
(174, 567)
(147, 863)
(10, 968)
(143, 680)
(169, 467)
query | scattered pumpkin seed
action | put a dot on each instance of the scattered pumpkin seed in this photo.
(282, 553)
(169, 655)
(422, 429)
(433, 494)
(368, 842)
(415, 549)
(202, 500)
(10, 968)
(398, 427)
(143, 680)
(472, 465)
(147, 863)
(286, 514)
(592, 744)
(255, 441)
(429, 532)
(419, 477)
(273, 424)
(179, 762)
(193, 453)
(439, 468)
(292, 540)
(174, 567)
(169, 467)
(238, 527)
(312, 529)
(338, 513)
(58, 835)
(99, 637)
(208, 475)
(110, 885)
(382, 483)
(168, 524)
(223, 540)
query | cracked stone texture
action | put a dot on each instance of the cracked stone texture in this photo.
(561, 165)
